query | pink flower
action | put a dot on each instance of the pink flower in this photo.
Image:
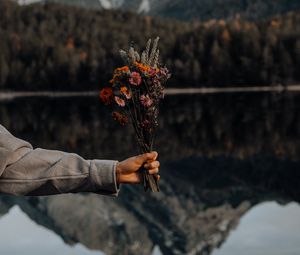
(152, 72)
(135, 79)
(120, 101)
(146, 100)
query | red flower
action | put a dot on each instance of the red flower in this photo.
(106, 95)
(123, 119)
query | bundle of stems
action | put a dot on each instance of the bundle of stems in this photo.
(145, 133)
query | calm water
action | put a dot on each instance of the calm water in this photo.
(229, 167)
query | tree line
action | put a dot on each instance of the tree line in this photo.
(55, 47)
(220, 9)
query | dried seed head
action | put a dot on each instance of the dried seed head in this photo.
(143, 58)
(131, 55)
(150, 56)
(147, 52)
(153, 51)
(124, 56)
(137, 56)
(156, 58)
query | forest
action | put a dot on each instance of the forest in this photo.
(55, 47)
(220, 9)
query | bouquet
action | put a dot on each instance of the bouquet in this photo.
(135, 93)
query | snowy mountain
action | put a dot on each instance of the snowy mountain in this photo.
(140, 6)
(190, 9)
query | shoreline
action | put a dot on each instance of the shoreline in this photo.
(8, 95)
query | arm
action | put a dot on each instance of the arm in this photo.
(28, 171)
(37, 172)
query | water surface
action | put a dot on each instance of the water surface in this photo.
(228, 161)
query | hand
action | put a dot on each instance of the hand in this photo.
(127, 170)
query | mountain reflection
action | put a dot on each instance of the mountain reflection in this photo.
(220, 156)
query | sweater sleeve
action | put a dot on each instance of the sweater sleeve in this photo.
(37, 172)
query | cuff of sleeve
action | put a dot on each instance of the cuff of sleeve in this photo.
(103, 176)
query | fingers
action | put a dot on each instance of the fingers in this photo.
(152, 167)
(147, 157)
(153, 171)
(151, 164)
(150, 156)
(154, 164)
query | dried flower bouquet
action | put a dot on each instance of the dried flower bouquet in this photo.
(135, 93)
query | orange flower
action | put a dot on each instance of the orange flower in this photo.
(124, 90)
(122, 69)
(118, 73)
(115, 77)
(106, 95)
(142, 67)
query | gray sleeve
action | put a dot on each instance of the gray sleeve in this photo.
(38, 172)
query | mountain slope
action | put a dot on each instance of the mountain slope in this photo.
(91, 4)
(191, 9)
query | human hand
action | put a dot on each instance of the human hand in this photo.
(127, 170)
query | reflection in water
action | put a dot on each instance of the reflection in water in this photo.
(17, 239)
(238, 125)
(267, 229)
(220, 155)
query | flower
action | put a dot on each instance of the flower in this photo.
(118, 73)
(122, 69)
(142, 67)
(106, 95)
(119, 101)
(146, 100)
(164, 74)
(115, 78)
(124, 90)
(123, 119)
(152, 72)
(135, 79)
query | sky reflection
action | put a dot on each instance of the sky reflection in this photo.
(267, 229)
(20, 235)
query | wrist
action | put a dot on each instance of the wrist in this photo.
(118, 173)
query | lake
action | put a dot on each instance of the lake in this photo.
(229, 179)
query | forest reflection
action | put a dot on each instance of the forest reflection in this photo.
(238, 125)
(220, 155)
